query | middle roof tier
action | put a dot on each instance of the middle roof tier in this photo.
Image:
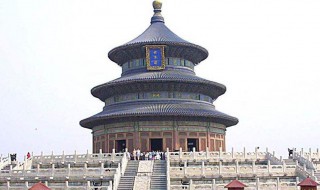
(167, 80)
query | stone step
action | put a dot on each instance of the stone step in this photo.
(127, 180)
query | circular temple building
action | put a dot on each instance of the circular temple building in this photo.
(158, 102)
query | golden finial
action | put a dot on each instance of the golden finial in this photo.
(157, 17)
(157, 4)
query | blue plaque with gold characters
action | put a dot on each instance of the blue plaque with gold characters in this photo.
(155, 57)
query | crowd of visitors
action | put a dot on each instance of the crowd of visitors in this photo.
(150, 155)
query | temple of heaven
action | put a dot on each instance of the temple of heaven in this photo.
(158, 102)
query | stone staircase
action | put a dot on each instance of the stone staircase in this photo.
(159, 178)
(127, 180)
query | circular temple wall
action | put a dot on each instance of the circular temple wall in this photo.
(159, 135)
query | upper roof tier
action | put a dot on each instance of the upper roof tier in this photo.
(158, 34)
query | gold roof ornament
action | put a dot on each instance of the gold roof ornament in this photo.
(157, 5)
(157, 17)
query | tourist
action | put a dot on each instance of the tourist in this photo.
(128, 155)
(28, 155)
(134, 153)
(138, 154)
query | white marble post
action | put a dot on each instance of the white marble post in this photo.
(88, 184)
(113, 154)
(253, 166)
(69, 170)
(52, 170)
(278, 183)
(237, 166)
(52, 157)
(202, 168)
(257, 183)
(38, 169)
(207, 152)
(213, 187)
(180, 153)
(41, 157)
(85, 168)
(244, 152)
(269, 167)
(232, 152)
(191, 185)
(256, 152)
(10, 169)
(63, 157)
(75, 156)
(310, 152)
(194, 153)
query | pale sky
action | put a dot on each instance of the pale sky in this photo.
(52, 52)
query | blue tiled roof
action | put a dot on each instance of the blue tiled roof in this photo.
(158, 33)
(154, 108)
(173, 78)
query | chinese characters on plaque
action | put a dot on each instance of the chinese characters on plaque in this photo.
(155, 57)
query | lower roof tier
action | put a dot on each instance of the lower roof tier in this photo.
(159, 109)
(168, 80)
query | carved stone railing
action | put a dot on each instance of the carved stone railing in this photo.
(310, 155)
(116, 178)
(302, 172)
(273, 159)
(60, 172)
(124, 162)
(254, 185)
(217, 155)
(77, 158)
(167, 156)
(4, 161)
(65, 186)
(304, 161)
(232, 171)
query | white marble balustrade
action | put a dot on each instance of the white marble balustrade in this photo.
(268, 185)
(59, 172)
(315, 155)
(232, 170)
(4, 161)
(53, 186)
(77, 158)
(217, 155)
